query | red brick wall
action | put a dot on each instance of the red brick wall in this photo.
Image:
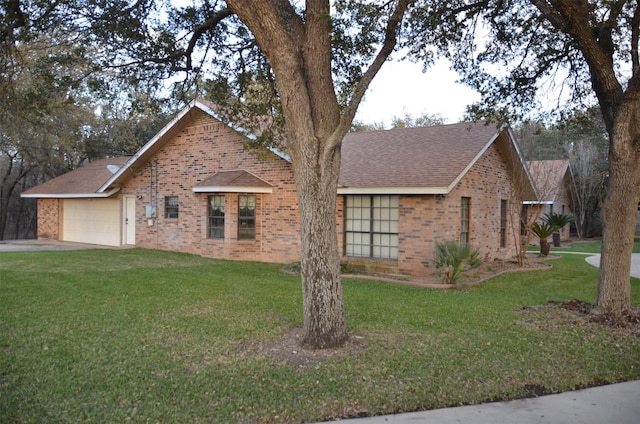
(49, 217)
(201, 149)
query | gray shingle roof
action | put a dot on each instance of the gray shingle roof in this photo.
(432, 157)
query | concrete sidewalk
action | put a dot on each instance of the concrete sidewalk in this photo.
(615, 403)
(635, 265)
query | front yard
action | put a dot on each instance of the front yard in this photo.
(148, 336)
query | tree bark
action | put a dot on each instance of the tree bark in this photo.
(620, 211)
(620, 107)
(300, 54)
(545, 247)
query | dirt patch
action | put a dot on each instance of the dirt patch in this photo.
(579, 313)
(289, 348)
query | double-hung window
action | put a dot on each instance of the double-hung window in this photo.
(371, 226)
(246, 217)
(465, 213)
(216, 217)
(171, 207)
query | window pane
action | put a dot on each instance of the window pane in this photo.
(216, 217)
(246, 217)
(171, 207)
(372, 226)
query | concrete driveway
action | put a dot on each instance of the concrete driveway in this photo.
(36, 245)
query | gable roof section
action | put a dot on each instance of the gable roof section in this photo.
(239, 181)
(80, 183)
(177, 124)
(548, 176)
(428, 160)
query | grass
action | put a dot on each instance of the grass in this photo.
(148, 336)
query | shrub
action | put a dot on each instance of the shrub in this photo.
(451, 260)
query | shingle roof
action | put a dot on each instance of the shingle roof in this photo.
(547, 176)
(80, 182)
(431, 157)
(429, 160)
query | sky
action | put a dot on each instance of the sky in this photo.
(401, 87)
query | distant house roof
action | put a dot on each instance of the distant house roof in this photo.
(82, 182)
(548, 176)
(239, 181)
(428, 160)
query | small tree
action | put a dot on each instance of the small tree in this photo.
(558, 221)
(543, 231)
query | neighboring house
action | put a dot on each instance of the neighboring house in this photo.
(195, 188)
(556, 189)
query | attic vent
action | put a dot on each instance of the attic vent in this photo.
(113, 168)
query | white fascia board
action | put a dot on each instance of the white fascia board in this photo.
(537, 202)
(218, 189)
(73, 195)
(393, 190)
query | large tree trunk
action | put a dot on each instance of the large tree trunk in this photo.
(620, 210)
(324, 320)
(300, 54)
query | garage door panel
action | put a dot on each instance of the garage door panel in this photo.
(95, 221)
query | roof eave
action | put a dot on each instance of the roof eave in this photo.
(228, 189)
(393, 190)
(71, 195)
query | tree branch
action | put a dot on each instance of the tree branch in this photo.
(201, 29)
(388, 45)
(635, 34)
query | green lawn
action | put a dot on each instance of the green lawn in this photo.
(148, 336)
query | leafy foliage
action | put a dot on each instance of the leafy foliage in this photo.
(543, 230)
(451, 260)
(557, 220)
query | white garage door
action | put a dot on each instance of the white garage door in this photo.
(95, 221)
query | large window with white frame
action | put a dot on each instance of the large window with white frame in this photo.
(371, 226)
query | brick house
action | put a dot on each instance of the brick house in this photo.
(196, 188)
(556, 189)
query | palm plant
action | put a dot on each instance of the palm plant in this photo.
(557, 220)
(451, 260)
(543, 231)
